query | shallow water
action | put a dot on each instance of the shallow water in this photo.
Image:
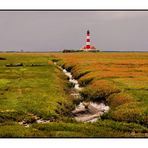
(37, 120)
(72, 80)
(89, 111)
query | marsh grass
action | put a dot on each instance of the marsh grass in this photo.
(40, 88)
(32, 89)
(120, 79)
(115, 100)
(13, 130)
(104, 128)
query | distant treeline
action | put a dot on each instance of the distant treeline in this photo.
(123, 51)
(68, 50)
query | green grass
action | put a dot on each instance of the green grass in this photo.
(31, 89)
(43, 90)
(104, 128)
(13, 130)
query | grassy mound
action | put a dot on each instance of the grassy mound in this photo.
(130, 112)
(115, 100)
(99, 90)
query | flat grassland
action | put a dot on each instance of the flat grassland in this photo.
(39, 88)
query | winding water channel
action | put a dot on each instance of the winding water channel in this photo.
(84, 112)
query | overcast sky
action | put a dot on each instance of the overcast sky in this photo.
(58, 30)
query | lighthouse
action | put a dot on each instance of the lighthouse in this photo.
(88, 46)
(88, 40)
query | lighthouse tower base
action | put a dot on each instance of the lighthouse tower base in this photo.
(92, 48)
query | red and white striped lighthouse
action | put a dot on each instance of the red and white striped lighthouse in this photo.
(88, 40)
(88, 47)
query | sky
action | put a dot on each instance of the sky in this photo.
(58, 30)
